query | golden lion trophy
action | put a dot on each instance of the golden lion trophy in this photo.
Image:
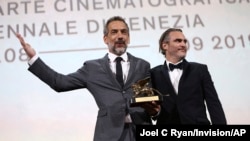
(144, 93)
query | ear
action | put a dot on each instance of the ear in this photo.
(164, 46)
(105, 39)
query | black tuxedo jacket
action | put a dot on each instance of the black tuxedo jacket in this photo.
(196, 95)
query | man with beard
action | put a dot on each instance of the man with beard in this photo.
(116, 120)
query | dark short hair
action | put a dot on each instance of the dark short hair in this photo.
(114, 18)
(165, 38)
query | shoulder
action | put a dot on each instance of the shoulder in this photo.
(157, 69)
(196, 65)
(98, 60)
(137, 59)
(199, 68)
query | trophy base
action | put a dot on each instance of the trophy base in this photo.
(137, 101)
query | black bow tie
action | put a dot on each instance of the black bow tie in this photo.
(178, 66)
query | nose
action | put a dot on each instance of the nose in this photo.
(184, 42)
(120, 36)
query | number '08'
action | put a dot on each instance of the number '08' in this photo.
(10, 55)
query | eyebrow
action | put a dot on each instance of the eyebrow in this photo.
(123, 29)
(180, 40)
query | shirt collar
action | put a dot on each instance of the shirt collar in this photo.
(173, 63)
(112, 57)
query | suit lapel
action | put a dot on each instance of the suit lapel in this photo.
(105, 64)
(132, 69)
(184, 73)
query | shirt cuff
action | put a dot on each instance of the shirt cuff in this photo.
(156, 116)
(32, 60)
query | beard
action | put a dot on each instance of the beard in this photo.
(118, 50)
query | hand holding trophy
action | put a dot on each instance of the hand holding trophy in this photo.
(143, 93)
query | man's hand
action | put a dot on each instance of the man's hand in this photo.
(152, 108)
(27, 48)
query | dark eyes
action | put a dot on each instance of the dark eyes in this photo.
(122, 31)
(180, 40)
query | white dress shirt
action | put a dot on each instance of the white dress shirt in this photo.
(175, 76)
(125, 68)
(125, 64)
